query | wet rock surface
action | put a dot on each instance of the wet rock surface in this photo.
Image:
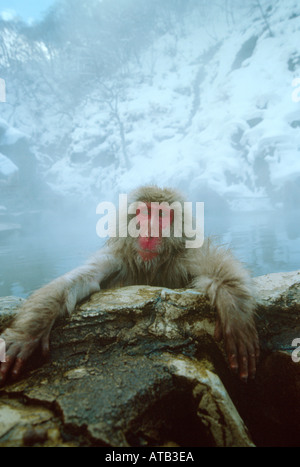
(138, 366)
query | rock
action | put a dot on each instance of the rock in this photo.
(271, 286)
(27, 426)
(138, 366)
(278, 309)
(9, 307)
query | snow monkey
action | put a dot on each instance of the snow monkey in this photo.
(144, 259)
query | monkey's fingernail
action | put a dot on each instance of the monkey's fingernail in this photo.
(233, 363)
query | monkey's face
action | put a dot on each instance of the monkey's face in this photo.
(155, 222)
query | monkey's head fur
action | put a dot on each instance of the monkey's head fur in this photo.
(152, 193)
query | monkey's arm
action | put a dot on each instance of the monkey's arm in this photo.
(229, 288)
(34, 322)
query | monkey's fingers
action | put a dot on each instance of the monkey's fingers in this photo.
(231, 351)
(239, 357)
(5, 367)
(254, 352)
(16, 356)
(252, 364)
(45, 343)
(13, 366)
(19, 363)
(243, 362)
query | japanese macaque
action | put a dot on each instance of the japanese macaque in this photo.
(151, 260)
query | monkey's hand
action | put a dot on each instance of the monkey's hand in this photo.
(241, 345)
(19, 348)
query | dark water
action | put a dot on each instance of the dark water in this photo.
(265, 242)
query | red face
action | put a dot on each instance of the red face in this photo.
(153, 222)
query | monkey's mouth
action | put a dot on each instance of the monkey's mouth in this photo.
(149, 244)
(147, 255)
(149, 247)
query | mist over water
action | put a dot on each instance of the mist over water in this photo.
(104, 96)
(265, 243)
